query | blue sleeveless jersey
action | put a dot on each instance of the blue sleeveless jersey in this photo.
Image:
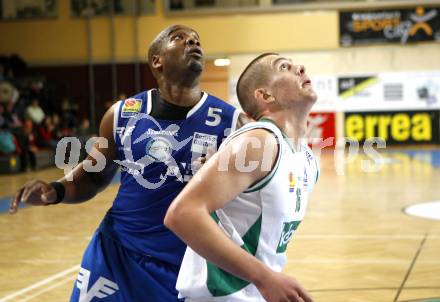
(156, 156)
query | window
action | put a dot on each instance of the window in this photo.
(106, 7)
(27, 9)
(210, 6)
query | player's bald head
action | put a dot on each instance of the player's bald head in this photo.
(157, 43)
(255, 75)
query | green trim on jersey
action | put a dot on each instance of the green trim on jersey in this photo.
(221, 283)
(288, 229)
(265, 180)
(317, 170)
(286, 138)
(262, 183)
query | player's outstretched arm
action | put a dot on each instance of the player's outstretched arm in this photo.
(219, 181)
(84, 185)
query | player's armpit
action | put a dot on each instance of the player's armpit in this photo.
(88, 181)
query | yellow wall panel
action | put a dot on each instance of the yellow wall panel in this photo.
(50, 40)
(64, 39)
(124, 38)
(44, 41)
(101, 39)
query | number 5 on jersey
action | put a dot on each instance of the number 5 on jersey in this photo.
(214, 117)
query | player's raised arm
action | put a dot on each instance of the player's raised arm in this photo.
(232, 170)
(84, 185)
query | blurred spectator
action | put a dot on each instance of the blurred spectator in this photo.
(2, 71)
(2, 115)
(12, 118)
(69, 114)
(108, 104)
(7, 141)
(45, 132)
(84, 133)
(8, 92)
(121, 96)
(18, 66)
(56, 131)
(34, 112)
(37, 91)
(29, 146)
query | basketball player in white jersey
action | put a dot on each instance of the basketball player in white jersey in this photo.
(245, 203)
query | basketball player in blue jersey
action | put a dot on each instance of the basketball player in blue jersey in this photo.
(241, 217)
(154, 136)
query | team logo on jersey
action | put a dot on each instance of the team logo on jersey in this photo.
(159, 149)
(102, 288)
(202, 142)
(131, 107)
(173, 171)
(160, 145)
(288, 229)
(291, 182)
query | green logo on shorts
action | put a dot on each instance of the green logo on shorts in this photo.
(288, 229)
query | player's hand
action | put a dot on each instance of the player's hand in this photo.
(36, 193)
(277, 287)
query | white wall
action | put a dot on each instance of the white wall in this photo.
(420, 57)
(350, 61)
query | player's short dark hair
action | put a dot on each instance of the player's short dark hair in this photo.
(254, 76)
(157, 43)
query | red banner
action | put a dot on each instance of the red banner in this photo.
(321, 129)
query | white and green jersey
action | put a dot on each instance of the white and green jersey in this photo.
(261, 220)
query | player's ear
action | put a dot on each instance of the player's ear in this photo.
(262, 95)
(156, 62)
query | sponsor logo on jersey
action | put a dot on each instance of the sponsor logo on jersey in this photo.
(309, 157)
(153, 132)
(289, 229)
(159, 149)
(123, 132)
(101, 289)
(202, 142)
(305, 180)
(131, 107)
(298, 200)
(291, 182)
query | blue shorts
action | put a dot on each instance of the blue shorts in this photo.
(109, 273)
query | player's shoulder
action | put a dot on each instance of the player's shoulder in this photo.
(141, 95)
(262, 126)
(133, 105)
(266, 133)
(138, 98)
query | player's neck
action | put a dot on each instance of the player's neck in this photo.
(180, 95)
(293, 124)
